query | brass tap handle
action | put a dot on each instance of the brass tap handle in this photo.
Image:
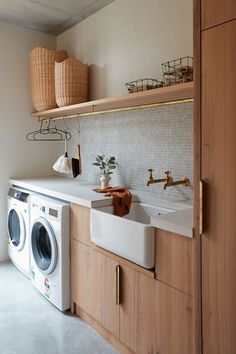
(168, 176)
(167, 173)
(150, 170)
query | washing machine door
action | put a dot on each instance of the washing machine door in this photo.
(44, 246)
(16, 228)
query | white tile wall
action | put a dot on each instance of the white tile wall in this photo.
(156, 137)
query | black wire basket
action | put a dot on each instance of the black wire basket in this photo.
(143, 85)
(177, 71)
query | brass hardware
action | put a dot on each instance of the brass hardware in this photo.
(200, 207)
(151, 180)
(40, 118)
(117, 109)
(170, 182)
(117, 285)
(169, 178)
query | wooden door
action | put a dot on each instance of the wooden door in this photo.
(128, 307)
(174, 260)
(164, 318)
(215, 12)
(81, 275)
(174, 320)
(103, 291)
(218, 174)
(147, 316)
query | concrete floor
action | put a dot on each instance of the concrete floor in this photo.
(29, 324)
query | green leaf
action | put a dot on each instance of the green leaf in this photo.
(96, 164)
(112, 167)
(101, 157)
(112, 158)
(109, 173)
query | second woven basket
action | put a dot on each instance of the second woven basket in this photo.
(71, 82)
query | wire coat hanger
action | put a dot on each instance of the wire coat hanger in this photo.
(48, 133)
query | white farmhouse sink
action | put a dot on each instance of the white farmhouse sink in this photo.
(131, 237)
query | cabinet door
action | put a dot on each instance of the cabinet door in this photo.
(175, 320)
(103, 291)
(215, 12)
(174, 263)
(218, 171)
(128, 307)
(80, 223)
(164, 320)
(81, 275)
(147, 316)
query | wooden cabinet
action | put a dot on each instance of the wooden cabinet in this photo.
(154, 317)
(164, 319)
(174, 260)
(215, 12)
(81, 292)
(104, 307)
(218, 170)
(80, 223)
(128, 307)
(125, 303)
(94, 286)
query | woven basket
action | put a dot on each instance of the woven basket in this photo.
(71, 82)
(42, 74)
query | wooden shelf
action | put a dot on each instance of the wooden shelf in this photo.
(134, 100)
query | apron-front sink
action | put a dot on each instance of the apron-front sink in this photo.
(131, 237)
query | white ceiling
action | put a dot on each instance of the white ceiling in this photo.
(48, 16)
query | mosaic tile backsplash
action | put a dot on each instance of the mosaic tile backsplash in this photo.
(157, 137)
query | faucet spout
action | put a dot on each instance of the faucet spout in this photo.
(185, 181)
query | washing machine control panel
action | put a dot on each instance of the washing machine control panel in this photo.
(18, 195)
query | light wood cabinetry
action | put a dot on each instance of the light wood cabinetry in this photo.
(150, 317)
(128, 307)
(215, 128)
(104, 291)
(80, 223)
(94, 285)
(174, 260)
(81, 291)
(218, 166)
(215, 12)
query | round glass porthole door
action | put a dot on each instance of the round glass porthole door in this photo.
(44, 247)
(16, 229)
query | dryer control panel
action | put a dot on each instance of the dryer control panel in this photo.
(18, 195)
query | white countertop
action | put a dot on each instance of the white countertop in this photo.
(64, 188)
(74, 191)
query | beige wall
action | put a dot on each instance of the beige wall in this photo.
(18, 157)
(129, 39)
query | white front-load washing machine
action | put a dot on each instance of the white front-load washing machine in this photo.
(50, 249)
(19, 229)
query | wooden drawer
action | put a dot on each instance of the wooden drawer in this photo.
(80, 223)
(174, 260)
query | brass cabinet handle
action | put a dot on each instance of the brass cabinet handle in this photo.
(117, 285)
(200, 207)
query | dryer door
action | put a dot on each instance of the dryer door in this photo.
(44, 246)
(16, 228)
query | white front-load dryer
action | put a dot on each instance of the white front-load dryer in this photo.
(50, 249)
(18, 228)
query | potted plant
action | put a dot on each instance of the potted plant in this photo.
(106, 165)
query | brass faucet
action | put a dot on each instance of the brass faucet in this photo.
(169, 181)
(151, 180)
